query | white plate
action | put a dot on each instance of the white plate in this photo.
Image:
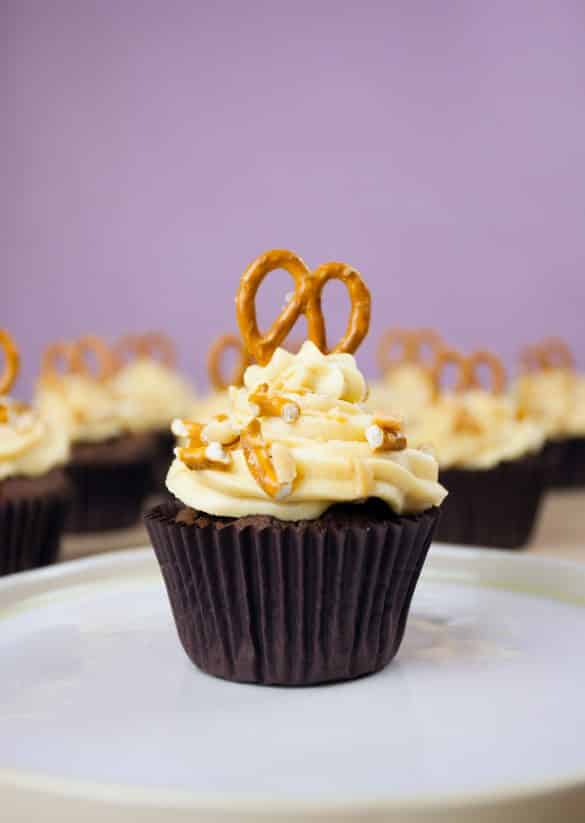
(102, 716)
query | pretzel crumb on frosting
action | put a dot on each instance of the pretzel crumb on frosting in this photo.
(273, 404)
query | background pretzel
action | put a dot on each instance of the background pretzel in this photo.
(550, 353)
(57, 359)
(11, 362)
(215, 356)
(155, 345)
(104, 357)
(467, 375)
(410, 344)
(306, 300)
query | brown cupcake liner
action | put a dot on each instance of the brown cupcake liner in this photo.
(495, 507)
(259, 600)
(32, 521)
(164, 442)
(564, 462)
(110, 483)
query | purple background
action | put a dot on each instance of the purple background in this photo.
(150, 150)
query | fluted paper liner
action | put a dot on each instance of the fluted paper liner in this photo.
(109, 493)
(495, 507)
(31, 526)
(290, 603)
(564, 461)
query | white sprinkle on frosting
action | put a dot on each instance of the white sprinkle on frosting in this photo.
(216, 452)
(178, 428)
(290, 412)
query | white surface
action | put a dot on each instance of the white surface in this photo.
(484, 703)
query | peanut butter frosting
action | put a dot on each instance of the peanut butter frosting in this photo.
(295, 439)
(554, 398)
(407, 388)
(31, 443)
(87, 408)
(151, 394)
(476, 429)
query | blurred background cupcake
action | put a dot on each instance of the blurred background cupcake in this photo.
(34, 493)
(489, 454)
(550, 391)
(110, 467)
(404, 358)
(151, 393)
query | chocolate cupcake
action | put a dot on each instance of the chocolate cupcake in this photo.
(301, 521)
(489, 456)
(552, 393)
(151, 394)
(109, 467)
(34, 494)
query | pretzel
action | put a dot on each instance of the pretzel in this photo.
(155, 345)
(550, 353)
(305, 300)
(384, 434)
(11, 362)
(261, 463)
(273, 404)
(467, 370)
(410, 344)
(56, 359)
(92, 344)
(215, 358)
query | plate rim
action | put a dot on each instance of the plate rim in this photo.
(126, 563)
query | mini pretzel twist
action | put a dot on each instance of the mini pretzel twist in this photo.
(92, 344)
(11, 362)
(305, 300)
(57, 359)
(550, 353)
(410, 345)
(467, 375)
(155, 345)
(215, 356)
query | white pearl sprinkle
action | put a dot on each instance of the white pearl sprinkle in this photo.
(290, 413)
(374, 436)
(215, 451)
(178, 428)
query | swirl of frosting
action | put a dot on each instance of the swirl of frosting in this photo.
(151, 394)
(295, 440)
(31, 444)
(86, 407)
(407, 387)
(476, 429)
(554, 398)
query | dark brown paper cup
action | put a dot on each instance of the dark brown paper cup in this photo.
(32, 516)
(110, 483)
(264, 601)
(164, 442)
(564, 462)
(492, 507)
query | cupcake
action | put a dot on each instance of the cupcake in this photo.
(109, 467)
(151, 394)
(404, 356)
(551, 392)
(33, 490)
(301, 521)
(489, 456)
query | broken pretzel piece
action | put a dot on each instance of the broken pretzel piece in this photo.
(385, 434)
(272, 468)
(274, 405)
(213, 456)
